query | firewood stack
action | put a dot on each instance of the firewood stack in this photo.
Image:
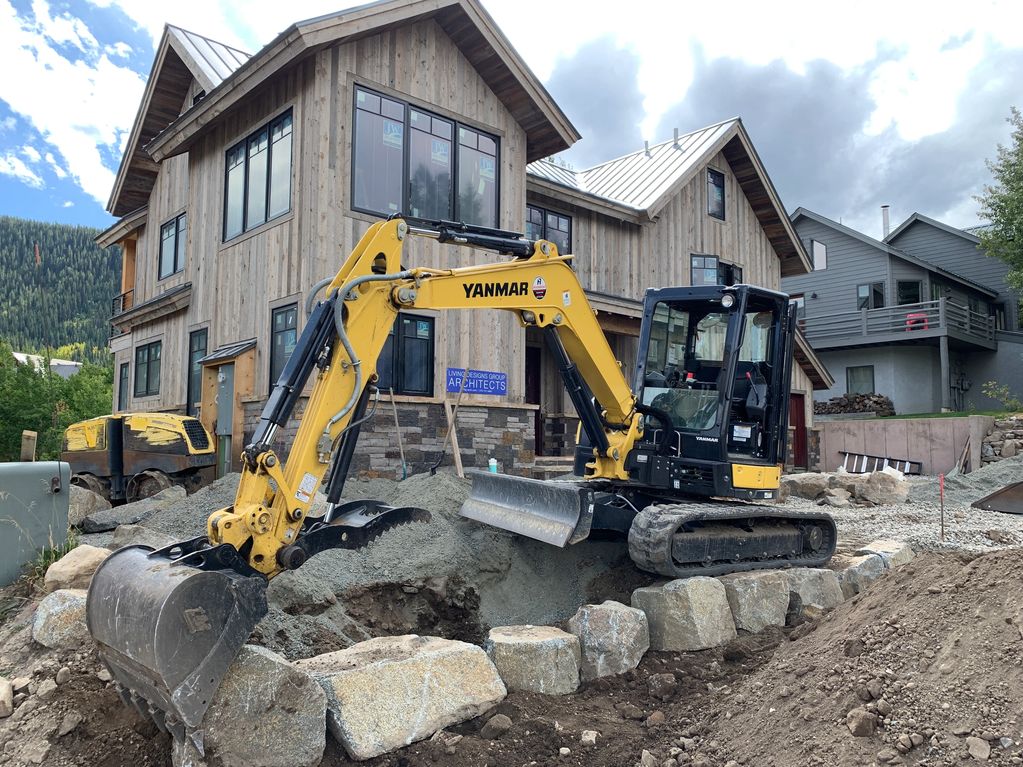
(856, 403)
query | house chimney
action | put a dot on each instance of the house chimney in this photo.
(646, 148)
(676, 138)
(885, 226)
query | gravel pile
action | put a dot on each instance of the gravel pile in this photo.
(964, 489)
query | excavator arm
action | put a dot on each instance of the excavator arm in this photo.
(169, 622)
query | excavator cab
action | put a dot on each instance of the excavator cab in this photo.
(712, 375)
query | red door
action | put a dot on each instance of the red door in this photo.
(797, 429)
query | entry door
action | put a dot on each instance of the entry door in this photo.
(533, 394)
(797, 424)
(225, 417)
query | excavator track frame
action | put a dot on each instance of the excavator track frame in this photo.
(658, 531)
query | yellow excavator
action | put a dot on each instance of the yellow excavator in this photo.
(674, 466)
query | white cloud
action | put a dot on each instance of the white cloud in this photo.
(8, 123)
(12, 165)
(119, 49)
(68, 204)
(79, 107)
(58, 171)
(31, 153)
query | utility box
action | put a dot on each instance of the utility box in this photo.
(34, 500)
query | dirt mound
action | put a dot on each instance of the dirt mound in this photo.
(932, 650)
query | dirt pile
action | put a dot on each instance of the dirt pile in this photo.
(964, 489)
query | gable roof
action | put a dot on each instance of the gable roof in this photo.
(966, 234)
(468, 25)
(893, 251)
(643, 182)
(181, 57)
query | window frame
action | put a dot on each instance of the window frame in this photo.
(457, 125)
(713, 175)
(180, 226)
(724, 271)
(544, 212)
(123, 386)
(397, 357)
(243, 144)
(871, 288)
(147, 365)
(191, 408)
(799, 299)
(873, 381)
(274, 311)
(823, 255)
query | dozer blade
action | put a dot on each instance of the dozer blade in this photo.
(558, 513)
(168, 631)
(1008, 500)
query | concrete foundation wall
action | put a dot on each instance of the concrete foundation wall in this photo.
(1005, 366)
(909, 375)
(937, 443)
(504, 433)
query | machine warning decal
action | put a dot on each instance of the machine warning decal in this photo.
(306, 488)
(539, 288)
(566, 298)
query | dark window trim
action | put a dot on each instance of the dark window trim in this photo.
(919, 292)
(179, 247)
(406, 136)
(713, 174)
(274, 310)
(397, 355)
(246, 228)
(873, 382)
(148, 347)
(123, 385)
(544, 211)
(870, 295)
(727, 272)
(190, 408)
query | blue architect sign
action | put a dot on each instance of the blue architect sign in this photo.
(477, 382)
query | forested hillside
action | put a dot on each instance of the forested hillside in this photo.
(60, 298)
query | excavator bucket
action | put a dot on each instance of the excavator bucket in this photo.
(557, 513)
(168, 631)
(1008, 500)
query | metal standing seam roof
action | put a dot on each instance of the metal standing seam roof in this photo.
(215, 60)
(228, 351)
(638, 180)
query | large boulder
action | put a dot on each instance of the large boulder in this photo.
(856, 572)
(612, 638)
(535, 658)
(686, 614)
(138, 535)
(893, 553)
(82, 503)
(882, 488)
(266, 713)
(6, 698)
(75, 569)
(812, 587)
(388, 692)
(132, 513)
(59, 621)
(807, 485)
(757, 600)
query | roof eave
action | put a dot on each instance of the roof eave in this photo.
(811, 364)
(122, 227)
(584, 199)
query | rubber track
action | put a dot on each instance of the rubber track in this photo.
(655, 527)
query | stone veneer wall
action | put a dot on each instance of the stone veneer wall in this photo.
(503, 433)
(1004, 441)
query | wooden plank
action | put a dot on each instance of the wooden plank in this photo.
(28, 445)
(456, 452)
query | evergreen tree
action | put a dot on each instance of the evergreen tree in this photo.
(1002, 204)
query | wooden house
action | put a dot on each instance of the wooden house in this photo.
(247, 179)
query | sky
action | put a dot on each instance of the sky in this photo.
(850, 105)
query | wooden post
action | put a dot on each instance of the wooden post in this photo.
(28, 445)
(454, 437)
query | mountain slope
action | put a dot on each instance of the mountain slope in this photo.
(61, 298)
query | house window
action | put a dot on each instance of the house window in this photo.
(258, 182)
(172, 246)
(147, 369)
(937, 290)
(908, 291)
(283, 336)
(548, 225)
(716, 193)
(819, 251)
(870, 296)
(859, 379)
(405, 159)
(999, 315)
(710, 270)
(406, 362)
(122, 387)
(197, 344)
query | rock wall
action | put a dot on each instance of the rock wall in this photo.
(1004, 441)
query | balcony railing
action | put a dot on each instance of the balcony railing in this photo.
(897, 322)
(122, 303)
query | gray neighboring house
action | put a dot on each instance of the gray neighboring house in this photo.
(899, 317)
